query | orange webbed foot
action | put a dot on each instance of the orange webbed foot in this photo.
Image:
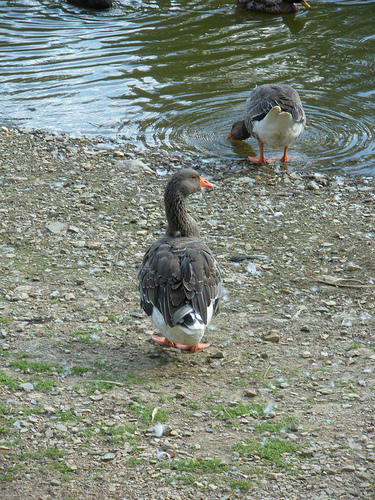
(193, 348)
(163, 341)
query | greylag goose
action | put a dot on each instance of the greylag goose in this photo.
(274, 116)
(272, 6)
(179, 279)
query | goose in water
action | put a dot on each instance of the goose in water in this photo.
(274, 116)
(272, 6)
(179, 279)
(92, 4)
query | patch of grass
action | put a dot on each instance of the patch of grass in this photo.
(85, 336)
(194, 405)
(119, 435)
(27, 366)
(113, 318)
(135, 461)
(43, 384)
(8, 381)
(79, 370)
(68, 416)
(3, 319)
(271, 450)
(228, 413)
(241, 485)
(196, 466)
(273, 427)
(145, 413)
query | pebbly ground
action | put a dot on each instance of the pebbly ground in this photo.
(281, 406)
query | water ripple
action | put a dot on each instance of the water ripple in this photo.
(175, 75)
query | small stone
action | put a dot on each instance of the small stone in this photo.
(26, 386)
(305, 328)
(313, 186)
(309, 452)
(69, 296)
(19, 296)
(61, 427)
(306, 354)
(103, 319)
(49, 433)
(55, 482)
(272, 336)
(251, 393)
(348, 468)
(96, 397)
(108, 456)
(94, 245)
(55, 227)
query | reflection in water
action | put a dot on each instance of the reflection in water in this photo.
(175, 75)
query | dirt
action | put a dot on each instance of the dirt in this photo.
(281, 406)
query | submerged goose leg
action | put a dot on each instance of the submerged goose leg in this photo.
(284, 158)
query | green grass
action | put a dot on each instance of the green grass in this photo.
(240, 484)
(271, 450)
(145, 413)
(229, 413)
(197, 466)
(119, 435)
(8, 381)
(27, 366)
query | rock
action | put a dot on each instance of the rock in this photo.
(136, 166)
(55, 227)
(251, 393)
(61, 427)
(108, 456)
(96, 397)
(272, 336)
(27, 386)
(348, 468)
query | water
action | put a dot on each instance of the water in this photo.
(174, 75)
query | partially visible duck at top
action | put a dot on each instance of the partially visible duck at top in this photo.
(274, 116)
(92, 4)
(272, 6)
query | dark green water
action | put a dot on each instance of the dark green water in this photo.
(174, 75)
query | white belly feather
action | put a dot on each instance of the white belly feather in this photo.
(277, 129)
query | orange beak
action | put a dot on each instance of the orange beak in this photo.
(204, 183)
(229, 136)
(305, 4)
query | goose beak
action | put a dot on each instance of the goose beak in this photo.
(204, 183)
(305, 4)
(229, 136)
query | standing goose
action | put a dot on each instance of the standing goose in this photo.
(272, 6)
(179, 279)
(274, 116)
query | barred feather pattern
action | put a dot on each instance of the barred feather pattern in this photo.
(181, 278)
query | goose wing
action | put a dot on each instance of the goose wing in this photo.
(179, 276)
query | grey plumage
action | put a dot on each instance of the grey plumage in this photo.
(262, 99)
(179, 276)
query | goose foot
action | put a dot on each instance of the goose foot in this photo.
(262, 161)
(193, 348)
(163, 341)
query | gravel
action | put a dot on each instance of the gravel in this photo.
(282, 403)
